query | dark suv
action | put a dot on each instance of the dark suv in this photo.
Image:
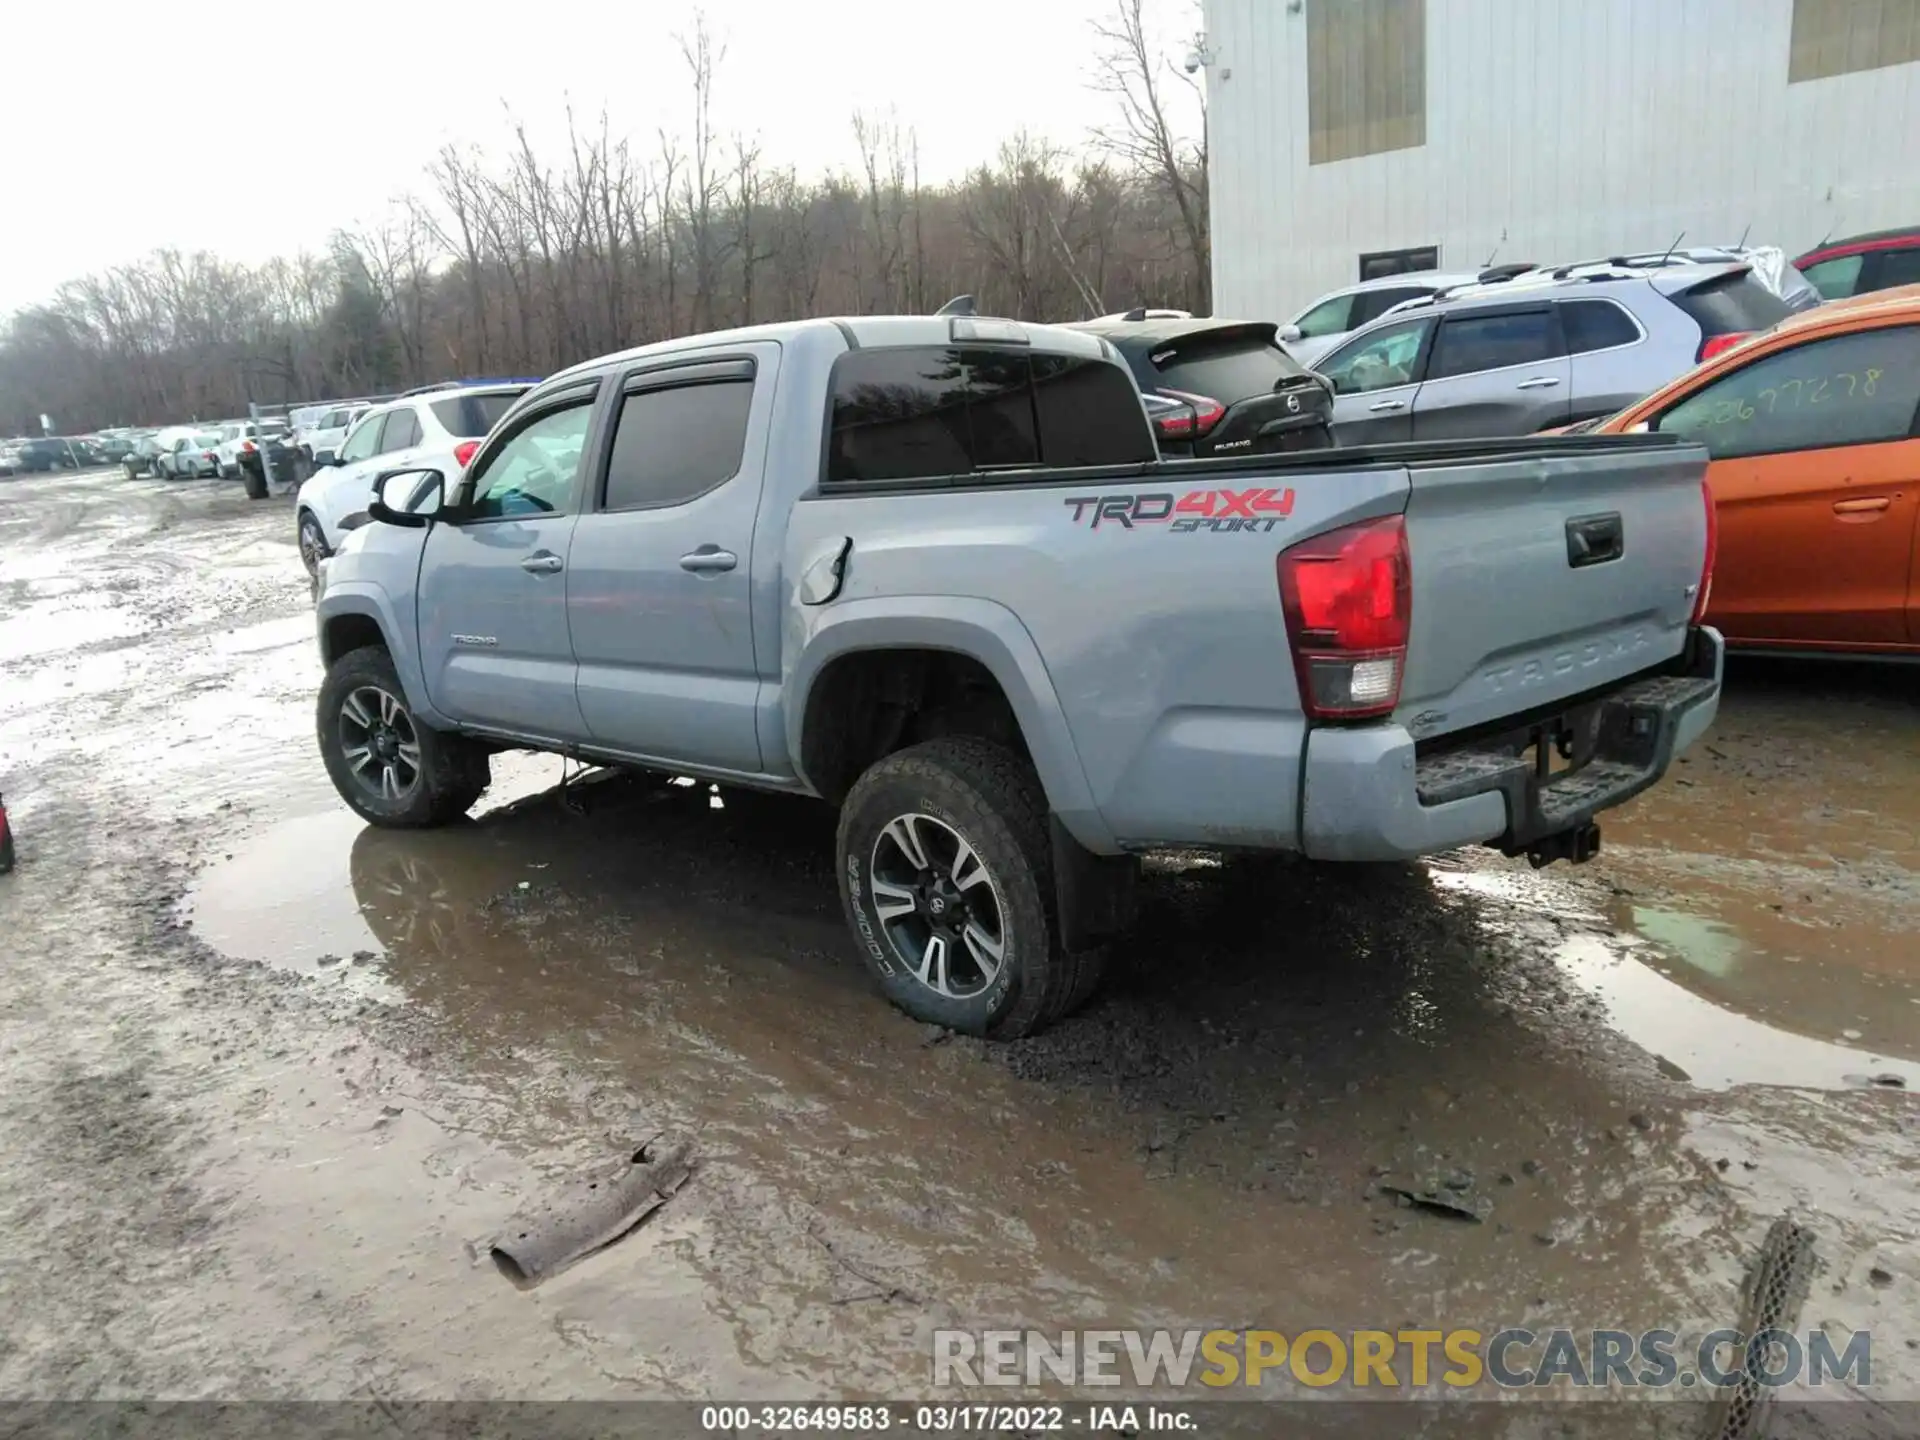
(1220, 387)
(52, 453)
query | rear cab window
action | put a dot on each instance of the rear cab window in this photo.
(916, 413)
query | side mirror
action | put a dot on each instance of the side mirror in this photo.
(407, 498)
(1287, 334)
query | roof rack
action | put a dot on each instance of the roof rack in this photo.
(469, 384)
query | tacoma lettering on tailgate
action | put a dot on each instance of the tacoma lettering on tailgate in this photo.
(1535, 672)
(1257, 509)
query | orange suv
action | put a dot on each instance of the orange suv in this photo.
(1813, 432)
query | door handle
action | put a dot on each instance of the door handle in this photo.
(1861, 507)
(709, 560)
(1388, 405)
(1539, 382)
(543, 562)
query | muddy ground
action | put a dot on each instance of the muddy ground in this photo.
(270, 1080)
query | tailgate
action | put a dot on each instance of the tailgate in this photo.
(1296, 415)
(1545, 577)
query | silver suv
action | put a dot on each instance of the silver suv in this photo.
(1540, 350)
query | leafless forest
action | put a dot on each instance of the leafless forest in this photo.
(512, 262)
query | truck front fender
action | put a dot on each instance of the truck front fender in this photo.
(982, 630)
(341, 616)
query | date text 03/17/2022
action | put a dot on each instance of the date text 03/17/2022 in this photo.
(955, 1419)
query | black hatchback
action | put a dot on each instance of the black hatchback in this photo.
(1220, 387)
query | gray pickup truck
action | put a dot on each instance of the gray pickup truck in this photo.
(933, 571)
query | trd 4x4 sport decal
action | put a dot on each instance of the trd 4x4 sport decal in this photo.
(1197, 511)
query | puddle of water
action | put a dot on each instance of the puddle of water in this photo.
(276, 900)
(292, 896)
(1716, 1047)
(1705, 944)
(1703, 996)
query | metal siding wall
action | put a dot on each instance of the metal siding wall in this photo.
(1577, 128)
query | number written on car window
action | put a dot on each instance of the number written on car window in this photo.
(1858, 389)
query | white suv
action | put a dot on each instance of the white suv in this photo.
(437, 429)
(320, 436)
(235, 440)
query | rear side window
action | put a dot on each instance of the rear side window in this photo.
(1837, 278)
(1899, 267)
(1329, 317)
(1596, 325)
(1733, 304)
(919, 413)
(1224, 366)
(470, 417)
(1468, 344)
(676, 443)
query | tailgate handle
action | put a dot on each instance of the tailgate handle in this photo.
(1862, 507)
(1595, 539)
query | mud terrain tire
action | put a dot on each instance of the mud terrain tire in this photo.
(431, 778)
(960, 803)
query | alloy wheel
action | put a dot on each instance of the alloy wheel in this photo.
(313, 545)
(938, 906)
(379, 743)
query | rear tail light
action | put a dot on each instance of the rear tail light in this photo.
(1348, 600)
(1715, 344)
(1206, 415)
(1713, 548)
(463, 453)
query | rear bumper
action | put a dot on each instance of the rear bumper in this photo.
(1371, 794)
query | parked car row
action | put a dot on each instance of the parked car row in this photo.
(1801, 380)
(41, 454)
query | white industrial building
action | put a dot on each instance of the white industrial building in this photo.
(1350, 138)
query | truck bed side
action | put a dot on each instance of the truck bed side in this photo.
(1150, 600)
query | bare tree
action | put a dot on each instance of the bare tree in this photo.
(1144, 138)
(703, 189)
(513, 259)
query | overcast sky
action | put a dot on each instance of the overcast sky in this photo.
(253, 130)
